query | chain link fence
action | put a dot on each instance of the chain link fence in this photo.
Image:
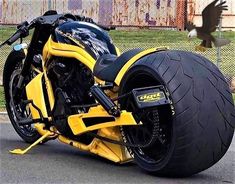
(139, 24)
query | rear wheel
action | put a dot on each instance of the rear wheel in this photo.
(198, 131)
(17, 110)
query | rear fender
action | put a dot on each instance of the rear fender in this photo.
(125, 68)
(14, 56)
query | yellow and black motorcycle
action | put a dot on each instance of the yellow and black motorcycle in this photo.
(170, 111)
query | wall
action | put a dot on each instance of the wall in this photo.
(163, 13)
(115, 12)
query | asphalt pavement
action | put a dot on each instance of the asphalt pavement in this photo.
(57, 163)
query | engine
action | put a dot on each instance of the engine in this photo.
(71, 82)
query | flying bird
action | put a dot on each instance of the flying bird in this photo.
(210, 18)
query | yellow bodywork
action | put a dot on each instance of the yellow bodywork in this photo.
(49, 89)
(78, 126)
(22, 152)
(133, 60)
(111, 129)
(35, 92)
(52, 48)
(113, 152)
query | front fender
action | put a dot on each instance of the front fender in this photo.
(125, 68)
(14, 56)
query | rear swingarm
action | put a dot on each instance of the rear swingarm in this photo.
(107, 114)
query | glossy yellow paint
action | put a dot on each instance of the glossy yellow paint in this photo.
(78, 126)
(52, 48)
(133, 60)
(22, 152)
(41, 128)
(50, 92)
(114, 134)
(113, 152)
(111, 130)
(35, 92)
(100, 82)
(35, 69)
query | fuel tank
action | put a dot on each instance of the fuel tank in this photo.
(90, 37)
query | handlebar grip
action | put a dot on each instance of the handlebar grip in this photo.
(14, 37)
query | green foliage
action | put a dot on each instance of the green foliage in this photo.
(2, 99)
(126, 39)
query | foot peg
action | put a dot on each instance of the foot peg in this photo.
(26, 122)
(22, 152)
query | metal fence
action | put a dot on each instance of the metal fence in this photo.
(140, 24)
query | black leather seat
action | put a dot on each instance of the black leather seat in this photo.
(108, 65)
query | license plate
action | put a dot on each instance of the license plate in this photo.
(150, 96)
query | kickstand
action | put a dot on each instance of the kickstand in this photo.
(22, 152)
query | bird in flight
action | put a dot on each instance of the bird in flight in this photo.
(210, 18)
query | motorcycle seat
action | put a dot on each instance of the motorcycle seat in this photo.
(108, 66)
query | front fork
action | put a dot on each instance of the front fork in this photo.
(24, 72)
(32, 50)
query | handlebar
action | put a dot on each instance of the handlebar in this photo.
(22, 31)
(14, 37)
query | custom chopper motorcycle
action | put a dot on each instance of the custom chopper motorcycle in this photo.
(170, 111)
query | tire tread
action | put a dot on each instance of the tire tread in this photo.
(199, 91)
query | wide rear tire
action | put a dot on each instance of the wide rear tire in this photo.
(202, 127)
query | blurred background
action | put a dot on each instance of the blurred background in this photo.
(139, 24)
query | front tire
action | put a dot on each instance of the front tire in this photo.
(202, 127)
(16, 110)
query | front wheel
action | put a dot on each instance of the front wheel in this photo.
(17, 111)
(197, 129)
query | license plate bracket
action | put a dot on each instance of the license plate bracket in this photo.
(150, 97)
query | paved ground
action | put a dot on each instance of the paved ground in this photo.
(58, 163)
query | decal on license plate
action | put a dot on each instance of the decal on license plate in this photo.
(151, 97)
